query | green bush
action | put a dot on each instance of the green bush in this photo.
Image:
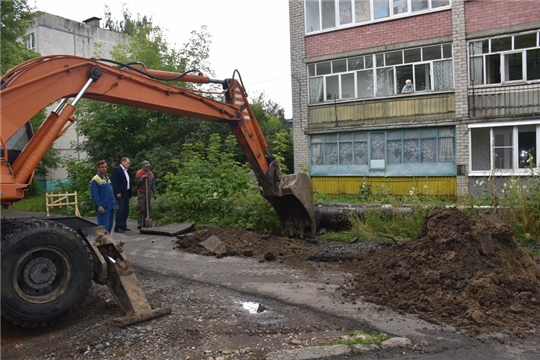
(80, 173)
(357, 337)
(34, 189)
(250, 210)
(211, 187)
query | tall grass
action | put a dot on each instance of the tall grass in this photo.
(377, 226)
(515, 199)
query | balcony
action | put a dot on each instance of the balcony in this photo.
(504, 101)
(419, 108)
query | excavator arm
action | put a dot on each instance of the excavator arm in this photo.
(47, 264)
(37, 83)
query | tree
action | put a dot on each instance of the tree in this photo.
(271, 118)
(125, 26)
(153, 136)
(16, 17)
(112, 131)
(148, 44)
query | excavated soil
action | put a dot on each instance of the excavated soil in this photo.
(465, 272)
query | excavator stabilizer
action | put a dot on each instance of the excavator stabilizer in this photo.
(120, 278)
(124, 285)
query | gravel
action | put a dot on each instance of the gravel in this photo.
(207, 322)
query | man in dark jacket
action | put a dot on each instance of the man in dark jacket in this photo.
(122, 191)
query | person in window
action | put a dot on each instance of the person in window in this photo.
(408, 88)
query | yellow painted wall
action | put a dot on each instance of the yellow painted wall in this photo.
(427, 186)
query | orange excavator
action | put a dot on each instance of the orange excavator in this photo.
(48, 264)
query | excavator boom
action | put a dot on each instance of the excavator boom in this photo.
(47, 265)
(37, 83)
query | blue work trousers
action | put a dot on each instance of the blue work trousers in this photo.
(106, 219)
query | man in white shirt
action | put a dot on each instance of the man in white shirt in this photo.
(122, 191)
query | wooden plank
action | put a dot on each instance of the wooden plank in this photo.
(169, 229)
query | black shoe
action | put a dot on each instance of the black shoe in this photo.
(126, 229)
(120, 230)
(138, 227)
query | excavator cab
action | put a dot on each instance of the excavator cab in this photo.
(18, 141)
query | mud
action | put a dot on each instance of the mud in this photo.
(465, 272)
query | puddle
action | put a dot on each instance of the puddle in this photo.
(259, 312)
(253, 308)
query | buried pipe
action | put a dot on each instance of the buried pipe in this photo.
(336, 216)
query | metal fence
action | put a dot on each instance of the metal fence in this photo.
(504, 101)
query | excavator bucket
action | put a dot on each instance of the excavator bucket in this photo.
(112, 268)
(294, 204)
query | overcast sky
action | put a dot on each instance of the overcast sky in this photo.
(251, 36)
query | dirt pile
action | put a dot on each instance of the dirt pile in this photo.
(465, 272)
(245, 243)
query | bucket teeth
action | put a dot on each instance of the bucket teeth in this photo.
(294, 204)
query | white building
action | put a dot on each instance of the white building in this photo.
(53, 34)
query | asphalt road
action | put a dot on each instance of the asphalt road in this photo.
(267, 280)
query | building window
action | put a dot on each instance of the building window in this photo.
(334, 14)
(504, 149)
(377, 149)
(30, 41)
(505, 59)
(377, 75)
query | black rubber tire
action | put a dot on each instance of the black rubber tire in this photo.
(46, 272)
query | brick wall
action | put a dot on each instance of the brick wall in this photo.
(492, 14)
(465, 19)
(385, 33)
(298, 84)
(459, 51)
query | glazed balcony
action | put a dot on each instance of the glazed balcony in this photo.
(398, 110)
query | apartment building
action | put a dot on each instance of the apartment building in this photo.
(53, 34)
(472, 112)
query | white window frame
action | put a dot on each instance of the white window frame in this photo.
(503, 60)
(396, 86)
(30, 41)
(372, 19)
(505, 73)
(515, 171)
